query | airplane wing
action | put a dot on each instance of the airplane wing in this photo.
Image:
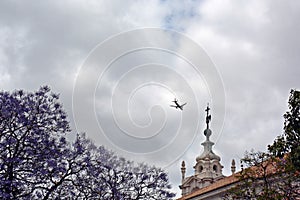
(183, 104)
(173, 106)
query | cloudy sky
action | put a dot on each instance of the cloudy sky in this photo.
(118, 65)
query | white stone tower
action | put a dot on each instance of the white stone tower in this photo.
(208, 168)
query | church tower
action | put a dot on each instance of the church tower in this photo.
(208, 168)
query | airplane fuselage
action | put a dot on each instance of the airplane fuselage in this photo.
(177, 105)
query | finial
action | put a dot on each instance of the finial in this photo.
(208, 116)
(182, 170)
(233, 168)
(207, 131)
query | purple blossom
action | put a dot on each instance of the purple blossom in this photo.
(37, 162)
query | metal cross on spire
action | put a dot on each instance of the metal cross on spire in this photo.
(208, 116)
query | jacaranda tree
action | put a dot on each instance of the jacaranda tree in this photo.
(32, 128)
(113, 177)
(37, 161)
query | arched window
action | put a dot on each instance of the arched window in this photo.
(215, 168)
(200, 168)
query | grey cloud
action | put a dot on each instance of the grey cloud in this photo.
(255, 47)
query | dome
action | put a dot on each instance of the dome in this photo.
(208, 155)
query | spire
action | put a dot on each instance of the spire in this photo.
(233, 168)
(183, 170)
(208, 152)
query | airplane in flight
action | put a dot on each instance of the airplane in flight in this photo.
(177, 105)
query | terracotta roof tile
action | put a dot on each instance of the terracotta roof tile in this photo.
(272, 168)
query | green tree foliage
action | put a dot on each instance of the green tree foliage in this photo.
(264, 177)
(289, 141)
(275, 174)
